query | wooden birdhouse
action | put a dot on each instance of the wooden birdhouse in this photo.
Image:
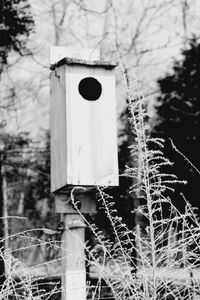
(83, 124)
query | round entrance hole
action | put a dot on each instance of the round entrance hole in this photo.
(90, 88)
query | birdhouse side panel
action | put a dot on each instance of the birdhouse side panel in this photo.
(58, 129)
(91, 127)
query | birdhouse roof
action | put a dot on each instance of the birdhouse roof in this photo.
(76, 61)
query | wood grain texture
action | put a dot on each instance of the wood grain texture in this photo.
(58, 129)
(73, 258)
(86, 150)
(91, 130)
(77, 61)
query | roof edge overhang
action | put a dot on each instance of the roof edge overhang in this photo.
(91, 63)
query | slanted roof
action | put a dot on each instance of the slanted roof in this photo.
(92, 63)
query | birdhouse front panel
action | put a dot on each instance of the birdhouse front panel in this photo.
(87, 141)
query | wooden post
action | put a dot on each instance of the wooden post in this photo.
(73, 241)
(73, 258)
(83, 150)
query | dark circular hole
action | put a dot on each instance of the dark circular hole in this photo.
(90, 88)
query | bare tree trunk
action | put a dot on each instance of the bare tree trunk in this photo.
(20, 210)
(5, 213)
(185, 8)
(106, 28)
(5, 217)
(2, 265)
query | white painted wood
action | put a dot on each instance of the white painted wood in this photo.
(91, 129)
(58, 52)
(58, 129)
(73, 258)
(83, 133)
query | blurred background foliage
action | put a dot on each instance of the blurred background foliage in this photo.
(177, 118)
